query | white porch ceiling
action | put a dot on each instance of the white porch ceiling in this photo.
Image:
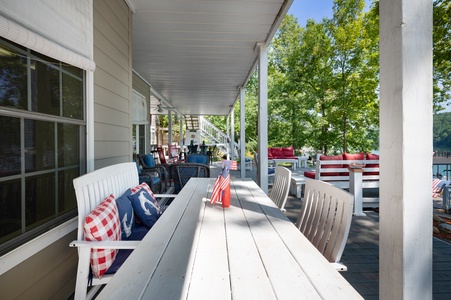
(197, 53)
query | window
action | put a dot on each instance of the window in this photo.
(139, 116)
(42, 142)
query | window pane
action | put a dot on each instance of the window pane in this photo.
(72, 97)
(142, 139)
(39, 199)
(9, 146)
(39, 145)
(66, 194)
(68, 145)
(45, 91)
(74, 70)
(13, 78)
(10, 208)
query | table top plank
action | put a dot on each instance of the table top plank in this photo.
(210, 278)
(286, 276)
(169, 280)
(142, 264)
(248, 275)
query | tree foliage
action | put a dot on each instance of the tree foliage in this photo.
(323, 81)
(442, 131)
(442, 53)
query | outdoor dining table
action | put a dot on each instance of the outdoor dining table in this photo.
(249, 250)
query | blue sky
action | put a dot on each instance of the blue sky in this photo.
(314, 9)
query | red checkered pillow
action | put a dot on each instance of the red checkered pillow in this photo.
(103, 224)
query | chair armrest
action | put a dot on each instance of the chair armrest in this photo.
(105, 244)
(152, 172)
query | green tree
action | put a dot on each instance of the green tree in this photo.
(442, 53)
(442, 131)
(354, 44)
(323, 81)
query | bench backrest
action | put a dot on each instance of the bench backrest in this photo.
(92, 188)
(339, 176)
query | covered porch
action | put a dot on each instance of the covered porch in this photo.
(195, 58)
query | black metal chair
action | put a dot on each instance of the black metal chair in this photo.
(148, 165)
(181, 173)
(152, 178)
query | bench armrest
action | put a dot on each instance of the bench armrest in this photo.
(105, 244)
(165, 195)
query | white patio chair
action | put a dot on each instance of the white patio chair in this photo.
(271, 170)
(325, 219)
(281, 186)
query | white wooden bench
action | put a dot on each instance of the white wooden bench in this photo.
(91, 189)
(355, 181)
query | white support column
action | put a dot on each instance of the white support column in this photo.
(228, 136)
(181, 133)
(405, 249)
(232, 133)
(169, 127)
(242, 133)
(263, 117)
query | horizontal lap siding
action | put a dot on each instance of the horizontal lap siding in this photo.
(112, 83)
(49, 274)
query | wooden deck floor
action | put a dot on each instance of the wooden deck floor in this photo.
(361, 254)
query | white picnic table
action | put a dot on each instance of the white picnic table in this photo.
(250, 250)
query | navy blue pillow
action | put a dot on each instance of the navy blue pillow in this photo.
(145, 207)
(126, 214)
(149, 160)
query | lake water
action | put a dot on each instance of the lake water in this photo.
(444, 170)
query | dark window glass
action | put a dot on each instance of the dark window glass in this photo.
(10, 210)
(73, 70)
(142, 139)
(68, 145)
(40, 151)
(66, 196)
(39, 145)
(45, 88)
(13, 78)
(9, 146)
(40, 200)
(72, 97)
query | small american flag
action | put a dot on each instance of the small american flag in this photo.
(230, 164)
(221, 183)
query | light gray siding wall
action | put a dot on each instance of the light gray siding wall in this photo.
(143, 88)
(112, 83)
(49, 274)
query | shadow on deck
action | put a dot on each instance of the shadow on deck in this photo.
(361, 254)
